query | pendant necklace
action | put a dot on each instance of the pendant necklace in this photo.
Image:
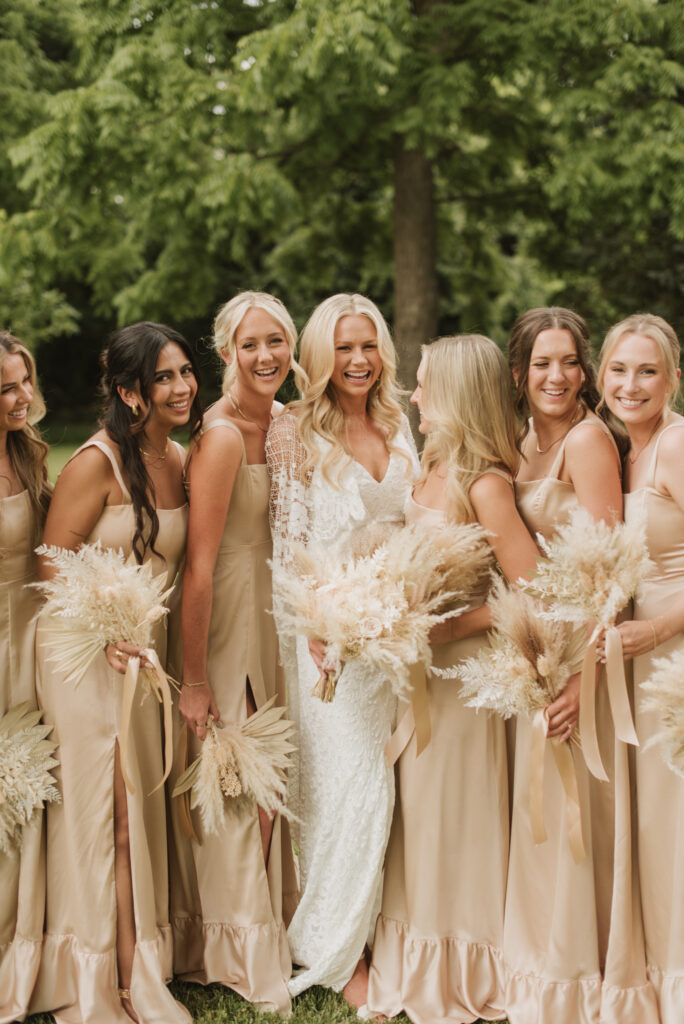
(573, 421)
(238, 410)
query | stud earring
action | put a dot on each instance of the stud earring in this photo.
(134, 409)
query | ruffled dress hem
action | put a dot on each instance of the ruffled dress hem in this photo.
(249, 959)
(437, 980)
(82, 986)
(669, 994)
(534, 1000)
(19, 963)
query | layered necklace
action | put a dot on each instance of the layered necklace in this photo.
(573, 421)
(156, 458)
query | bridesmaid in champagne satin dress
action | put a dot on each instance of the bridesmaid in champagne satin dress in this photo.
(24, 497)
(639, 375)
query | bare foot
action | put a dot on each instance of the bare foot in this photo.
(356, 989)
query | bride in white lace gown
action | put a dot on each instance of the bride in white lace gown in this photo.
(340, 459)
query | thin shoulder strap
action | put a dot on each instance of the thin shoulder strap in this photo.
(227, 423)
(650, 482)
(113, 460)
(596, 422)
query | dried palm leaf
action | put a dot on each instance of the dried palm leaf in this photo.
(25, 764)
(98, 598)
(240, 766)
(379, 599)
(527, 663)
(665, 687)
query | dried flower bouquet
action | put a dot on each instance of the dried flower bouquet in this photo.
(379, 601)
(239, 766)
(99, 597)
(25, 765)
(665, 688)
(524, 670)
(590, 572)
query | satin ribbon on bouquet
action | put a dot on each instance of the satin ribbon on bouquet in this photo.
(416, 718)
(617, 694)
(159, 684)
(562, 756)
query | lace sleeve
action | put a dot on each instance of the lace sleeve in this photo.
(289, 511)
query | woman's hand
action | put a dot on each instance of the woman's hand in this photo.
(318, 651)
(195, 705)
(639, 636)
(562, 715)
(119, 654)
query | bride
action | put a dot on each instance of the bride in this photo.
(340, 458)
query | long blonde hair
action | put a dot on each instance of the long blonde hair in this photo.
(468, 404)
(26, 448)
(658, 330)
(229, 318)
(318, 412)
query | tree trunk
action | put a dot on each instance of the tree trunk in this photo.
(415, 258)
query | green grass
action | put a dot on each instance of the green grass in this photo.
(217, 1005)
(63, 443)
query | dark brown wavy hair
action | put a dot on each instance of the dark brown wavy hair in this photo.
(25, 447)
(520, 345)
(129, 362)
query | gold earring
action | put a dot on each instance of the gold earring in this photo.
(134, 408)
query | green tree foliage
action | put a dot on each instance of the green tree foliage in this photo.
(165, 154)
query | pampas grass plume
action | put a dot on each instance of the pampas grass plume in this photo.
(665, 689)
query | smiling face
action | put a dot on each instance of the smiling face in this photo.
(16, 392)
(555, 377)
(262, 352)
(635, 382)
(358, 363)
(173, 388)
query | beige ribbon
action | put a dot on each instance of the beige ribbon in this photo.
(617, 693)
(162, 691)
(183, 799)
(566, 770)
(416, 718)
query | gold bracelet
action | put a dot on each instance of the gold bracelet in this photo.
(655, 635)
(204, 682)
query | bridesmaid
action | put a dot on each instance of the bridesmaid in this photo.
(231, 930)
(107, 948)
(572, 937)
(639, 376)
(24, 499)
(437, 954)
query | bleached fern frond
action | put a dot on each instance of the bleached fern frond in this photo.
(26, 760)
(665, 689)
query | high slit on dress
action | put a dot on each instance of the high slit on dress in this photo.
(78, 977)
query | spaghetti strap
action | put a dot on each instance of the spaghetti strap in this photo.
(114, 463)
(227, 423)
(595, 421)
(654, 458)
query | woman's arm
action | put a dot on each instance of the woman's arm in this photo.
(593, 465)
(213, 469)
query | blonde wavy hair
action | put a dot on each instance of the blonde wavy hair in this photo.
(467, 401)
(229, 318)
(318, 411)
(26, 448)
(658, 330)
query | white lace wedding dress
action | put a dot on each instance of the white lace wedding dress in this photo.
(342, 790)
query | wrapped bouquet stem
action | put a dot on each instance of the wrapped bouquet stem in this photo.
(526, 667)
(590, 572)
(379, 600)
(98, 598)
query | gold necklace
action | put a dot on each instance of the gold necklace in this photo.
(238, 410)
(155, 456)
(573, 421)
(643, 447)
